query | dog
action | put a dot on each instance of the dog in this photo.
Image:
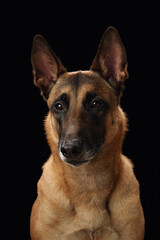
(87, 190)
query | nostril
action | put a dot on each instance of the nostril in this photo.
(64, 152)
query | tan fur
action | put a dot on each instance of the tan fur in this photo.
(97, 201)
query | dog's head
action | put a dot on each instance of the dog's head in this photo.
(84, 114)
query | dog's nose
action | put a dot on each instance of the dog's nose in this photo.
(71, 149)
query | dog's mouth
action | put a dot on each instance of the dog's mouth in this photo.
(76, 163)
(79, 161)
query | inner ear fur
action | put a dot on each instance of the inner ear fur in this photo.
(111, 60)
(46, 65)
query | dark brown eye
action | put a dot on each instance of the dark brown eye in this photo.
(59, 107)
(96, 104)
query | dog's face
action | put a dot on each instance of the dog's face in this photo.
(80, 110)
(83, 105)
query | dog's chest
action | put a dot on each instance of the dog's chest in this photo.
(79, 213)
(90, 216)
(90, 221)
(91, 213)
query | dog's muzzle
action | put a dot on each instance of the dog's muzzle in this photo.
(72, 152)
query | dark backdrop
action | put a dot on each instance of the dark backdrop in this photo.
(74, 32)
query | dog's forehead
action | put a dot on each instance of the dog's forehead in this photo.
(80, 82)
(76, 80)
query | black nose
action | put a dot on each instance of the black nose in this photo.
(71, 149)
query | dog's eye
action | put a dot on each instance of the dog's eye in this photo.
(96, 104)
(59, 106)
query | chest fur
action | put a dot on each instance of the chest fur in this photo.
(71, 210)
(87, 221)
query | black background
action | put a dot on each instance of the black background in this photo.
(74, 31)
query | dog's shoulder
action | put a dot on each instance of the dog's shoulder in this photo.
(125, 201)
(127, 184)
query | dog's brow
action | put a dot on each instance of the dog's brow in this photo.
(90, 95)
(63, 97)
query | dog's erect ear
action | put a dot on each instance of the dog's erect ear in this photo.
(46, 65)
(111, 60)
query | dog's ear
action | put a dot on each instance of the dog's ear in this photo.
(111, 60)
(46, 65)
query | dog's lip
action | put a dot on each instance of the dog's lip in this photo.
(76, 163)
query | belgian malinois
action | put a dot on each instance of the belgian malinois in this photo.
(88, 189)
